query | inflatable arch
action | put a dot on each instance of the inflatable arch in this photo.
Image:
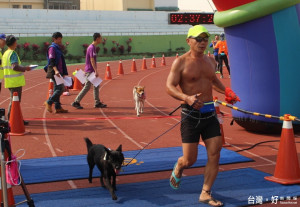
(263, 38)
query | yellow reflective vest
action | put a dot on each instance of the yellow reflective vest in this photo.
(1, 69)
(12, 78)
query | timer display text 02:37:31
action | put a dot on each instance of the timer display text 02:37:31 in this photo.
(191, 18)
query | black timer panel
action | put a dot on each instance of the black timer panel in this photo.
(191, 18)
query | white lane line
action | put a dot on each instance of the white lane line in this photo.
(98, 128)
(252, 166)
(112, 123)
(72, 184)
(160, 111)
(148, 101)
(170, 124)
(249, 143)
(120, 130)
(22, 92)
(112, 132)
(59, 150)
(86, 124)
(145, 143)
(48, 141)
(270, 161)
(35, 138)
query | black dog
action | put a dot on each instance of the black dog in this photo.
(109, 163)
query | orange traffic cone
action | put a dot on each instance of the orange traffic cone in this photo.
(153, 64)
(177, 55)
(50, 89)
(120, 70)
(133, 66)
(144, 65)
(10, 196)
(163, 61)
(77, 86)
(208, 53)
(16, 121)
(287, 169)
(107, 72)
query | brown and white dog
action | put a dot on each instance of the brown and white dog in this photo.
(139, 97)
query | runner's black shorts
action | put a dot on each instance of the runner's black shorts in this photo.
(196, 124)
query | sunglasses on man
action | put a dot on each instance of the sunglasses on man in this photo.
(200, 39)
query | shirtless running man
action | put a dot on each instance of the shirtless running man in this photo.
(194, 72)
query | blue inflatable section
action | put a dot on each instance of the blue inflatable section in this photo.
(255, 70)
(264, 69)
(287, 32)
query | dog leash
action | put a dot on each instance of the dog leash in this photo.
(187, 115)
(156, 139)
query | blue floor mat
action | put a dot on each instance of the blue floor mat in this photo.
(149, 160)
(233, 188)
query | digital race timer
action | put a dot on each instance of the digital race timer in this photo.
(191, 18)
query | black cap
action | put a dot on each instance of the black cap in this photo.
(10, 40)
(56, 35)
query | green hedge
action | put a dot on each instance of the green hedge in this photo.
(141, 46)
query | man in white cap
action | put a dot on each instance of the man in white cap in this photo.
(194, 73)
(2, 44)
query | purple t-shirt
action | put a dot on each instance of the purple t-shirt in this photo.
(90, 53)
(51, 53)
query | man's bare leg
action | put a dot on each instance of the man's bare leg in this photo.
(190, 153)
(213, 147)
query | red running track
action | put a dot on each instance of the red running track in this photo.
(62, 134)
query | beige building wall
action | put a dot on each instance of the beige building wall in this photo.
(34, 4)
(116, 5)
(139, 4)
(101, 5)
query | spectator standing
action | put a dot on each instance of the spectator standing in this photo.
(223, 54)
(14, 78)
(90, 67)
(216, 51)
(2, 44)
(56, 65)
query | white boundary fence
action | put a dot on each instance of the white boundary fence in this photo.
(35, 22)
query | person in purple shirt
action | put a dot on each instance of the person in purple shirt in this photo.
(90, 67)
(56, 60)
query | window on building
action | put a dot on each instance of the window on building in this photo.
(15, 6)
(74, 7)
(27, 6)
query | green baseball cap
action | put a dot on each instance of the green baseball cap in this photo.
(195, 31)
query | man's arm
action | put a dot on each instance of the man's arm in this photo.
(218, 85)
(217, 45)
(20, 68)
(230, 96)
(172, 83)
(15, 64)
(52, 56)
(94, 65)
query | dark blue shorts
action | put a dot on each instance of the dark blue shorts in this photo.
(195, 124)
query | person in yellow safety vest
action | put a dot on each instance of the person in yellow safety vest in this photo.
(2, 44)
(14, 78)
